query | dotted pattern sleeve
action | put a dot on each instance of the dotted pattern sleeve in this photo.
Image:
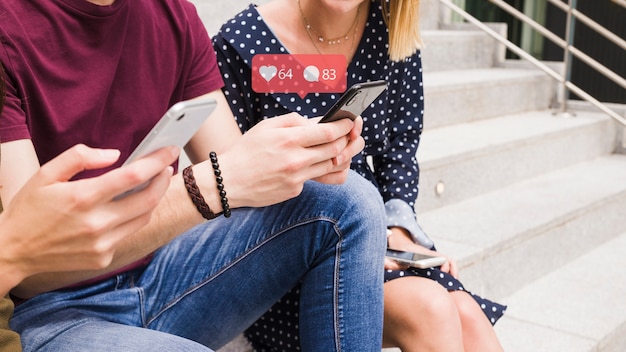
(392, 124)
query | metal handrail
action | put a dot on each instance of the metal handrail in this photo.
(591, 23)
(565, 44)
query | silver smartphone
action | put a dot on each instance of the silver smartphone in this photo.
(416, 260)
(355, 100)
(175, 128)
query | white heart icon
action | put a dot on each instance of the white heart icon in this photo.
(267, 72)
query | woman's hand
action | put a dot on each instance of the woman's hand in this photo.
(342, 162)
(401, 240)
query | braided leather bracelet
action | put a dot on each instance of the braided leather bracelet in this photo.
(196, 196)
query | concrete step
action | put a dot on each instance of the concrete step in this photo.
(579, 307)
(459, 50)
(469, 95)
(506, 239)
(470, 159)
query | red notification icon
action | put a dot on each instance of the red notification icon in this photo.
(299, 73)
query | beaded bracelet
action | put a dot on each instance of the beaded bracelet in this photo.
(220, 184)
(196, 196)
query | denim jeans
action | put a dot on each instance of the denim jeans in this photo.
(210, 283)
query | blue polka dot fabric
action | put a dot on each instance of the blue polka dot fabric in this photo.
(492, 310)
(392, 128)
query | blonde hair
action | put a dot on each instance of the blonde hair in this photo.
(402, 19)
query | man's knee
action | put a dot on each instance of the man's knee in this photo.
(357, 196)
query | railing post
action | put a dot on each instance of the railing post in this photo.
(570, 26)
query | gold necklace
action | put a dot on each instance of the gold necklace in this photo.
(320, 38)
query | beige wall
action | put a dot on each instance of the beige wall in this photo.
(216, 12)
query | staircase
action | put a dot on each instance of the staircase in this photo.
(531, 204)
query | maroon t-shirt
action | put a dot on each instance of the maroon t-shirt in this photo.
(99, 75)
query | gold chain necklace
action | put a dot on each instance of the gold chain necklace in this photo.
(320, 38)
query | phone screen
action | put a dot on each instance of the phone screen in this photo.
(355, 100)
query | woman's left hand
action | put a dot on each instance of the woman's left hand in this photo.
(401, 240)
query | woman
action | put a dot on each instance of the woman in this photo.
(424, 309)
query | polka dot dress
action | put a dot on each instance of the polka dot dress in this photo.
(277, 329)
(492, 310)
(392, 128)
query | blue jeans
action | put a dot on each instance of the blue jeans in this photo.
(212, 282)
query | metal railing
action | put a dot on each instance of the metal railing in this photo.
(620, 2)
(566, 44)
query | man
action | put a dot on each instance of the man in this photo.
(52, 225)
(102, 73)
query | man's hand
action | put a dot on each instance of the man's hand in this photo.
(53, 224)
(271, 162)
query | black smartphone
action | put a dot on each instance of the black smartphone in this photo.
(355, 100)
(416, 260)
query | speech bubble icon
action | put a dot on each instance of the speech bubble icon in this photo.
(311, 74)
(267, 72)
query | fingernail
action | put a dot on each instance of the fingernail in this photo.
(340, 159)
(175, 151)
(109, 153)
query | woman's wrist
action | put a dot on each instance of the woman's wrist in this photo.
(399, 238)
